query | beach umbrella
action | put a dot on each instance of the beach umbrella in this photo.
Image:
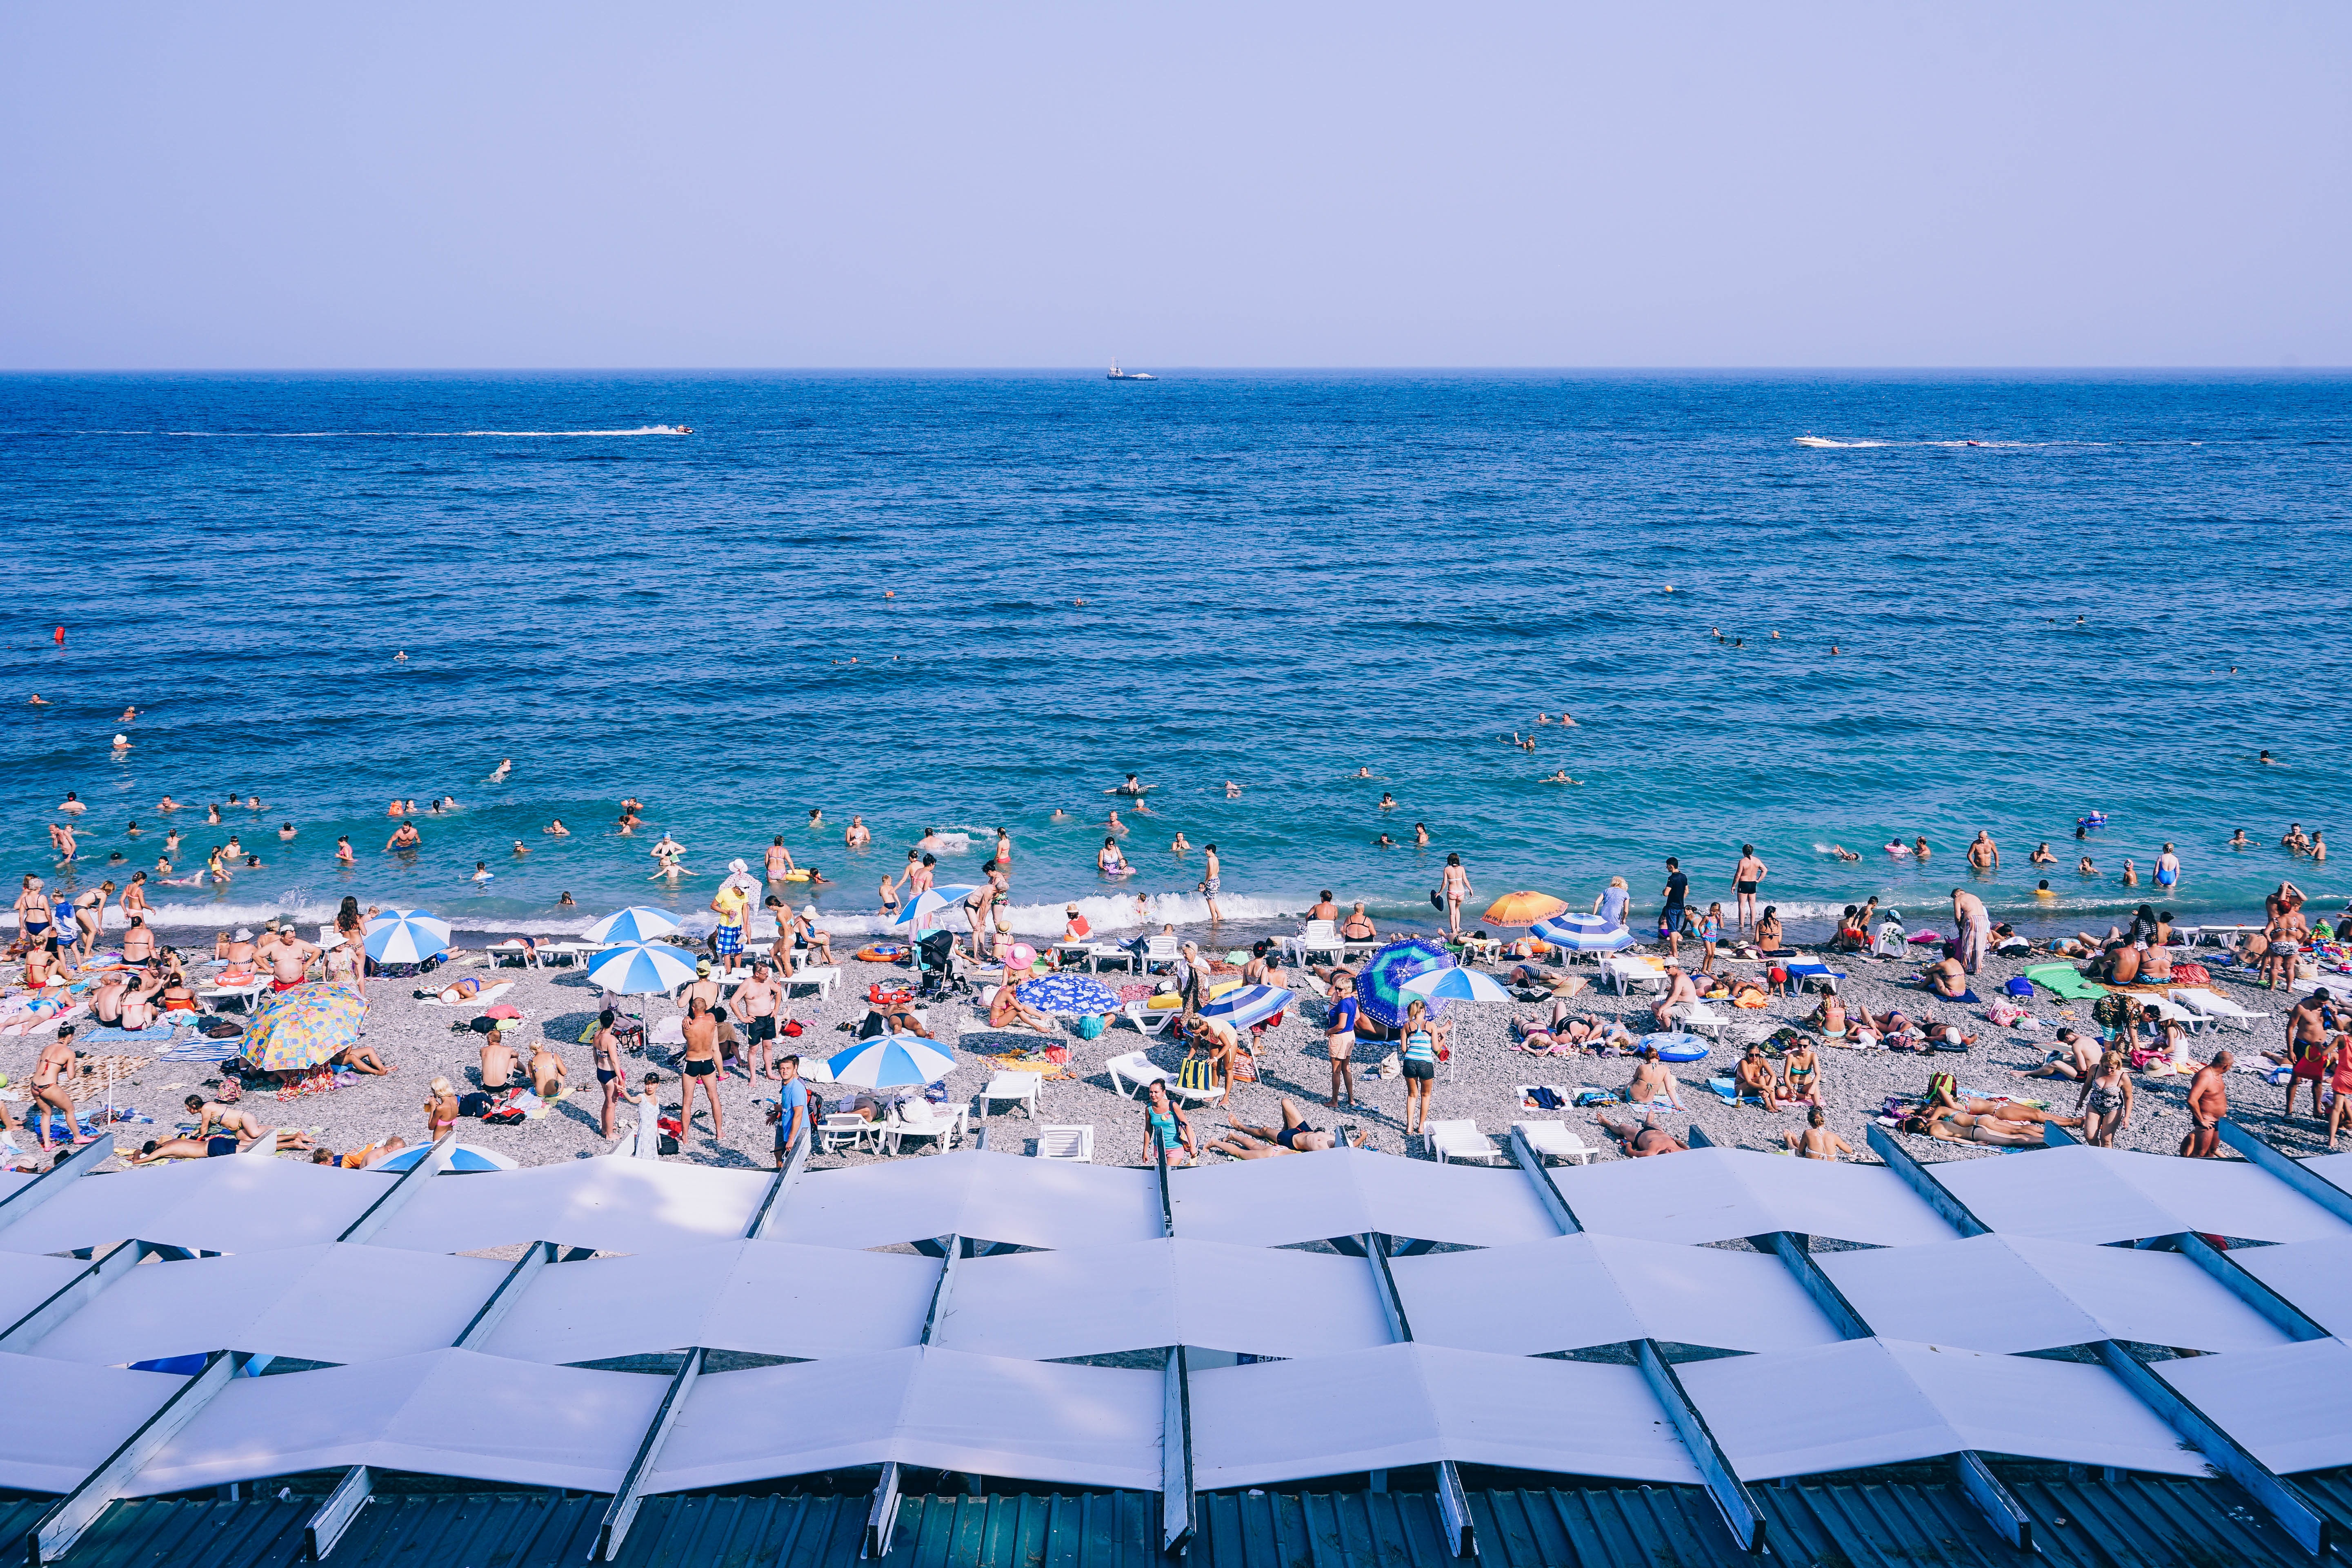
(1076, 994)
(406, 936)
(641, 968)
(463, 1157)
(1457, 985)
(1583, 933)
(891, 1061)
(1380, 984)
(636, 923)
(1247, 1005)
(1522, 909)
(930, 901)
(305, 1027)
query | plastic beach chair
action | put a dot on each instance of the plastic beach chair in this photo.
(1553, 1141)
(1074, 1144)
(1461, 1140)
(2216, 1008)
(1021, 1087)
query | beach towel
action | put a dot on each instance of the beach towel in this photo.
(2063, 980)
(1727, 1090)
(201, 1050)
(488, 994)
(106, 1036)
(1966, 994)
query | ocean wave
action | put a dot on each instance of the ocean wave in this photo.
(415, 435)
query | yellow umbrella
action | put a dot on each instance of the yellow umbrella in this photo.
(1522, 909)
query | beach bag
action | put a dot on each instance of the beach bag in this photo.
(505, 1114)
(2020, 987)
(789, 1028)
(2190, 975)
(1596, 1096)
(1435, 902)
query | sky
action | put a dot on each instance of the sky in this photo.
(247, 185)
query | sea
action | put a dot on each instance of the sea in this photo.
(1799, 611)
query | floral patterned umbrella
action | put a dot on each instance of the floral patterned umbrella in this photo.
(1076, 994)
(305, 1027)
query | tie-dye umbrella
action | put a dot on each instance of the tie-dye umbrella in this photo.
(304, 1028)
(1380, 984)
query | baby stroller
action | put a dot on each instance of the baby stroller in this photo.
(935, 958)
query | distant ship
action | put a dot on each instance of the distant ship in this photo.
(1119, 374)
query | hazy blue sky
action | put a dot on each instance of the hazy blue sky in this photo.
(507, 185)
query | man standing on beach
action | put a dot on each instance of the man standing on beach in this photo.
(757, 1002)
(2209, 1101)
(1974, 925)
(1670, 918)
(699, 1065)
(1746, 878)
(791, 1108)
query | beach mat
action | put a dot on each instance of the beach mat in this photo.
(2064, 980)
(107, 1035)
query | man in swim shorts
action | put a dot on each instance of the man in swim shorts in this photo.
(757, 1002)
(1746, 878)
(698, 1067)
(2209, 1101)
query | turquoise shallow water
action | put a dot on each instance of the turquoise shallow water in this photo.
(1282, 577)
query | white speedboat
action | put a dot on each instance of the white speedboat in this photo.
(1119, 374)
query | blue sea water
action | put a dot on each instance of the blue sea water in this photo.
(962, 601)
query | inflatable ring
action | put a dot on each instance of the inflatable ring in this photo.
(882, 952)
(888, 996)
(1682, 1049)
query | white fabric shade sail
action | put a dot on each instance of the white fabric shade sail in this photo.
(1717, 1195)
(1346, 1191)
(2098, 1196)
(1097, 1301)
(1883, 1402)
(1416, 1404)
(74, 1417)
(610, 1204)
(209, 1206)
(2007, 1293)
(973, 1193)
(1575, 1291)
(2316, 1275)
(2285, 1405)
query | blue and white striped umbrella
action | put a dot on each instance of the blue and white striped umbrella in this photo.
(641, 968)
(930, 901)
(1583, 933)
(636, 923)
(406, 936)
(1457, 985)
(1247, 1005)
(891, 1061)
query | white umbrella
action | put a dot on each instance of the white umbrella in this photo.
(930, 901)
(1247, 1005)
(891, 1061)
(406, 936)
(636, 923)
(641, 969)
(1457, 985)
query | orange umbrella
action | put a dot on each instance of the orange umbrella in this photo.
(1522, 909)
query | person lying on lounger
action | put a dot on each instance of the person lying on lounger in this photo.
(1293, 1137)
(1642, 1139)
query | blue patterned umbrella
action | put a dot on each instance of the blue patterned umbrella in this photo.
(1074, 994)
(918, 909)
(1380, 984)
(1247, 1005)
(641, 968)
(406, 936)
(1583, 933)
(1457, 985)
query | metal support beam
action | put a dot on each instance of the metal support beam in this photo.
(2001, 1510)
(1547, 1192)
(1454, 1508)
(2284, 1314)
(1741, 1514)
(538, 1256)
(1794, 1251)
(1176, 1518)
(2056, 1137)
(2276, 1163)
(1167, 1195)
(937, 1316)
(1696, 1136)
(76, 1511)
(405, 1186)
(53, 1181)
(1916, 1177)
(622, 1511)
(77, 1293)
(1453, 1502)
(1376, 1250)
(335, 1514)
(882, 1517)
(2279, 1497)
(764, 1217)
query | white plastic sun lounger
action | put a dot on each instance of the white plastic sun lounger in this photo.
(1461, 1140)
(1072, 1142)
(1134, 1072)
(2217, 1007)
(1020, 1087)
(1553, 1141)
(1701, 1019)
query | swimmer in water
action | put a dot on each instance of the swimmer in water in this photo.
(1179, 846)
(36, 700)
(499, 773)
(1387, 801)
(400, 658)
(1896, 847)
(2086, 869)
(1367, 773)
(1060, 815)
(1233, 790)
(1560, 777)
(2042, 890)
(1420, 833)
(1843, 853)
(1115, 825)
(1384, 842)
(2265, 759)
(1133, 787)
(2239, 840)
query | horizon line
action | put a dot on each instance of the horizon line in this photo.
(1157, 369)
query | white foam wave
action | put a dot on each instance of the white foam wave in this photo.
(1825, 441)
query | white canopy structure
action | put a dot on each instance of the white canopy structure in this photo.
(1274, 1203)
(1717, 1195)
(208, 1206)
(975, 1192)
(2098, 1196)
(2286, 1404)
(2316, 1275)
(611, 1205)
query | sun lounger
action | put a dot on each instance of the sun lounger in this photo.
(1150, 1020)
(1136, 1069)
(2217, 1007)
(2172, 1012)
(823, 976)
(1461, 1140)
(1067, 1142)
(1320, 936)
(243, 992)
(1160, 951)
(1627, 971)
(919, 1118)
(1553, 1141)
(844, 1130)
(1701, 1019)
(1021, 1087)
(1806, 972)
(523, 953)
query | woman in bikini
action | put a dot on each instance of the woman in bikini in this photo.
(440, 1111)
(1802, 1069)
(32, 913)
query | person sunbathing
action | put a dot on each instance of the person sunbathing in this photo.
(1817, 1141)
(1007, 1010)
(2077, 1060)
(1293, 1137)
(1639, 1139)
(456, 991)
(1652, 1080)
(1830, 1017)
(1971, 1127)
(360, 1059)
(1946, 979)
(548, 1072)
(156, 1150)
(499, 1061)
(1756, 1078)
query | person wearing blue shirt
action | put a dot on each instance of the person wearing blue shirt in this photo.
(791, 1108)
